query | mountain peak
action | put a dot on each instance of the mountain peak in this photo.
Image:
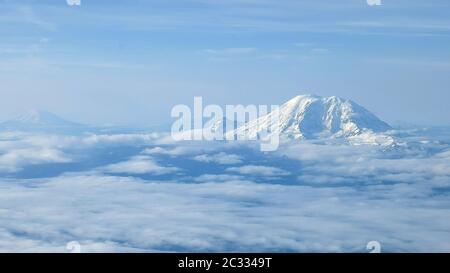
(36, 116)
(38, 120)
(303, 97)
(312, 116)
(308, 98)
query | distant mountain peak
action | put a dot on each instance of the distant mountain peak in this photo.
(38, 116)
(38, 120)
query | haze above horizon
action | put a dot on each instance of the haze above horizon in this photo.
(130, 63)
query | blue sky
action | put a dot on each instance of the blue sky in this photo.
(131, 61)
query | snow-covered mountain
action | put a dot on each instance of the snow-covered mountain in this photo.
(315, 117)
(221, 125)
(36, 120)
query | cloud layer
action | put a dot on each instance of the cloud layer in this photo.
(107, 213)
(138, 193)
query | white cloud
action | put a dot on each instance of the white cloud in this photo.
(96, 139)
(258, 170)
(139, 165)
(220, 158)
(15, 160)
(174, 151)
(18, 150)
(366, 164)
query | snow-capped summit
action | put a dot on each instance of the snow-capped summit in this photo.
(38, 120)
(313, 117)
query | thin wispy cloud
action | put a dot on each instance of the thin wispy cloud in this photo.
(230, 51)
(24, 14)
(411, 62)
(258, 170)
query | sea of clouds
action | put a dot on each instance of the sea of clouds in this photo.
(146, 193)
